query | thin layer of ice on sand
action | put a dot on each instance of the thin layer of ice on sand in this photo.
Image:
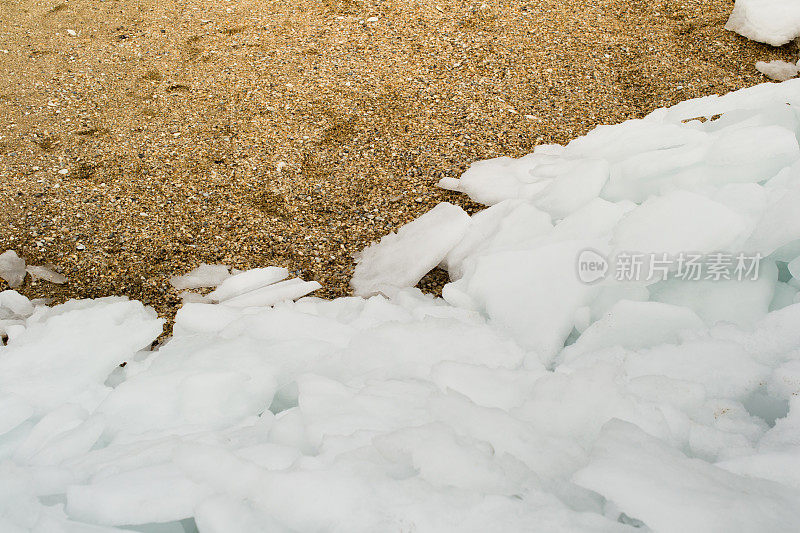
(47, 274)
(775, 22)
(203, 276)
(524, 400)
(12, 268)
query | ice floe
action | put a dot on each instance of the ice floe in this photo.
(618, 348)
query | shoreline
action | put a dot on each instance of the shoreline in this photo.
(258, 133)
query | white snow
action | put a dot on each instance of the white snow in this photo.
(523, 400)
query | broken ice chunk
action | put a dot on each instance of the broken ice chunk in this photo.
(66, 352)
(246, 282)
(17, 304)
(679, 221)
(159, 493)
(11, 327)
(775, 22)
(202, 276)
(648, 480)
(635, 325)
(711, 300)
(15, 411)
(503, 178)
(400, 260)
(12, 268)
(575, 184)
(40, 272)
(532, 294)
(779, 226)
(491, 181)
(271, 294)
(501, 226)
(777, 70)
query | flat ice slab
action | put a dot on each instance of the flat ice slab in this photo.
(401, 259)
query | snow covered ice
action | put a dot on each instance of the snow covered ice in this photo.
(777, 70)
(775, 22)
(202, 276)
(523, 400)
